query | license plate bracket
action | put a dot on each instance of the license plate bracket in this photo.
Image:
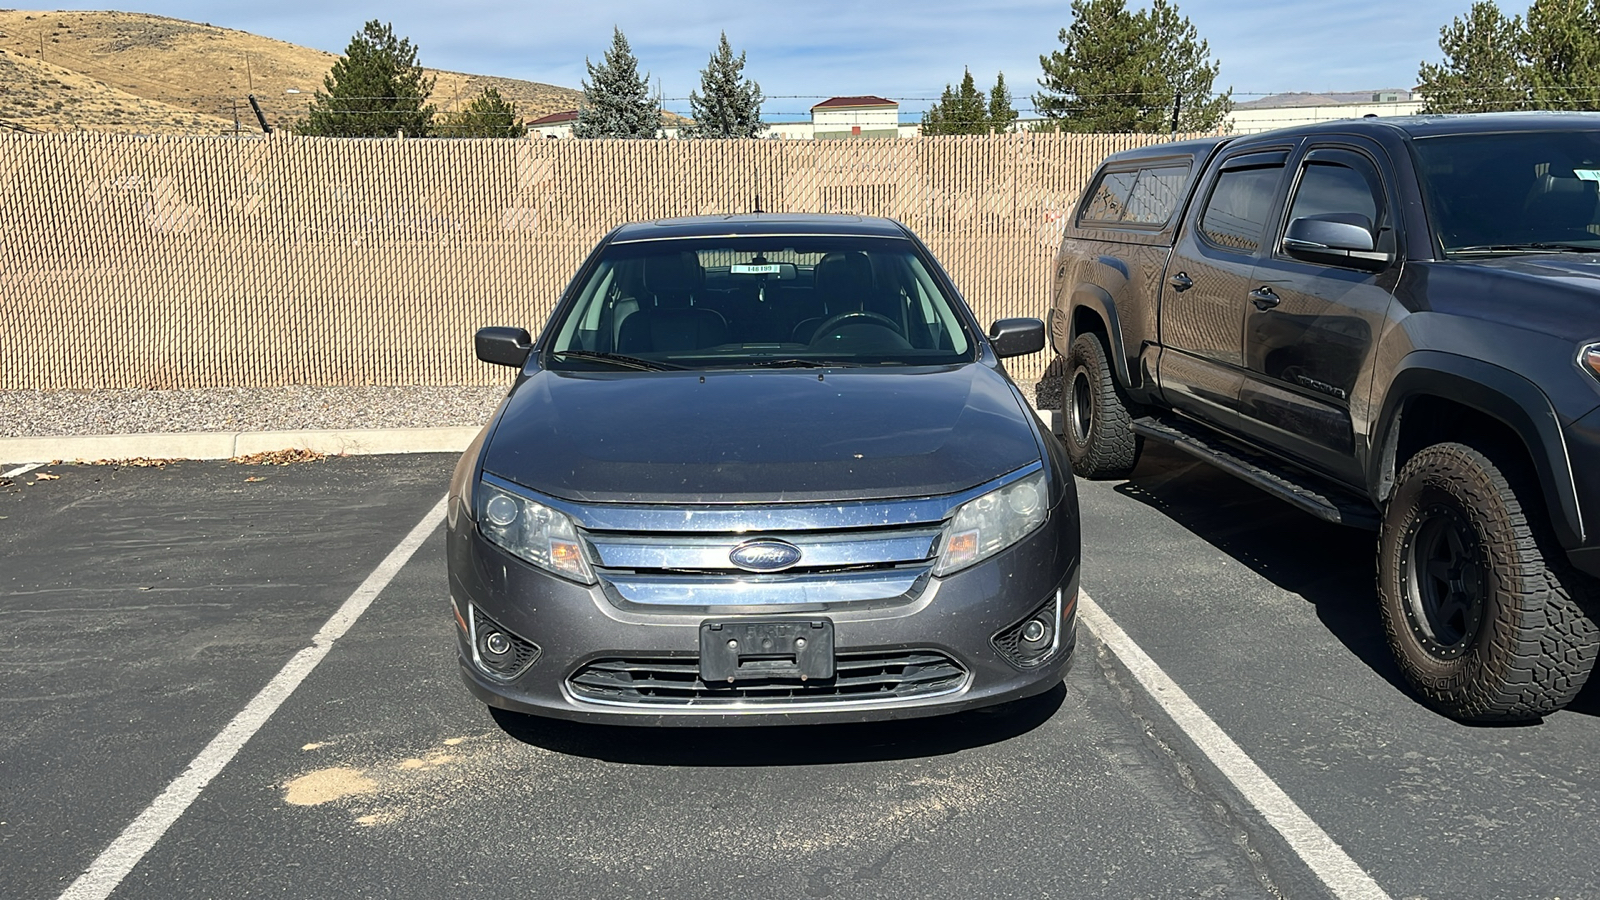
(732, 651)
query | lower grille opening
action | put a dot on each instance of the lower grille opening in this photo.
(858, 678)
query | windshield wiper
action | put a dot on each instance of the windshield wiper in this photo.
(1527, 247)
(620, 360)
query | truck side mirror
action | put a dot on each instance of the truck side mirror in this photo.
(1345, 239)
(1016, 337)
(503, 346)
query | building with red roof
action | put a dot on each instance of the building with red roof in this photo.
(841, 118)
(555, 125)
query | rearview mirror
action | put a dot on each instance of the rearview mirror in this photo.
(1016, 337)
(503, 346)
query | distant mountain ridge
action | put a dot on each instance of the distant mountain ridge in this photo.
(1331, 98)
(141, 73)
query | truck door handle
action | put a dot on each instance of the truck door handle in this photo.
(1181, 282)
(1264, 298)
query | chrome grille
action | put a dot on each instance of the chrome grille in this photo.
(696, 570)
(710, 553)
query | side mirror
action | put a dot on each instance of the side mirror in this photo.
(1337, 238)
(1016, 337)
(503, 346)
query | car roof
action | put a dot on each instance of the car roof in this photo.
(758, 225)
(1194, 148)
(1462, 123)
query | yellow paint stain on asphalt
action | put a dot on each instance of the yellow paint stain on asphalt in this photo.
(316, 745)
(432, 760)
(327, 785)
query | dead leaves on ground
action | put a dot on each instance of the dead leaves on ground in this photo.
(279, 457)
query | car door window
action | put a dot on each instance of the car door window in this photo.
(1334, 187)
(1235, 217)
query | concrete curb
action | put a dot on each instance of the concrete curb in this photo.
(224, 445)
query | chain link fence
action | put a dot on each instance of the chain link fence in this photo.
(183, 262)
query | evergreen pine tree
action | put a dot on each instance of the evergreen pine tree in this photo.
(730, 106)
(1482, 69)
(376, 89)
(489, 115)
(933, 122)
(1562, 50)
(1120, 71)
(616, 98)
(1002, 115)
(960, 111)
(1183, 61)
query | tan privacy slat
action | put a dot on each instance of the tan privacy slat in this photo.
(174, 262)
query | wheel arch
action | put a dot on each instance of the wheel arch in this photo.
(1437, 396)
(1093, 310)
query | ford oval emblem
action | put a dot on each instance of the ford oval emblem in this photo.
(764, 556)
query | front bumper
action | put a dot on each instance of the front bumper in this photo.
(956, 617)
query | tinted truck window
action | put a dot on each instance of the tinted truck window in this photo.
(1236, 214)
(1492, 193)
(1334, 188)
(1142, 197)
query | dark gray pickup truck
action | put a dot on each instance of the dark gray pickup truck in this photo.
(1393, 324)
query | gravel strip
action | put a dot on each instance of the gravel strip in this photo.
(71, 413)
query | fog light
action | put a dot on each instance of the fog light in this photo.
(498, 652)
(496, 644)
(1035, 639)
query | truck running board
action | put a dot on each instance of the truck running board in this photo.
(1310, 493)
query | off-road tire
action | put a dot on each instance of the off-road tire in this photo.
(1096, 417)
(1463, 533)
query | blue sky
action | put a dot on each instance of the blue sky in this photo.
(820, 48)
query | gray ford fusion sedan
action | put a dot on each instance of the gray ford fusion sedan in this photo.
(762, 469)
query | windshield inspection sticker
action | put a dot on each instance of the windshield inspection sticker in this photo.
(1587, 174)
(765, 269)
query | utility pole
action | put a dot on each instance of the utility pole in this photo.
(1177, 104)
(265, 128)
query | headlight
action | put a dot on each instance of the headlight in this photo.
(530, 530)
(986, 525)
(1589, 359)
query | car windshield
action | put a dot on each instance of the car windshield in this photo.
(768, 302)
(1513, 193)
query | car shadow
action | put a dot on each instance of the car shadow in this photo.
(1332, 567)
(785, 745)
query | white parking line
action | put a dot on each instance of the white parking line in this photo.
(1327, 860)
(118, 860)
(20, 470)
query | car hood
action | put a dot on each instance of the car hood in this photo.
(1554, 294)
(1581, 272)
(768, 436)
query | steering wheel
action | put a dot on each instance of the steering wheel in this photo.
(869, 318)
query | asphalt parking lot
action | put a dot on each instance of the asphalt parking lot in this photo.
(142, 609)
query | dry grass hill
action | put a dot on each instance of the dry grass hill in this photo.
(133, 72)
